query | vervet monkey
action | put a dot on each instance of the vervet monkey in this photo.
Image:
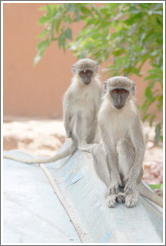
(123, 139)
(123, 143)
(80, 107)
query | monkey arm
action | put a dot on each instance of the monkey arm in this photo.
(66, 124)
(111, 162)
(139, 146)
(112, 165)
(66, 114)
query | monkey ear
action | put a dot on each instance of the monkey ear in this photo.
(133, 86)
(74, 68)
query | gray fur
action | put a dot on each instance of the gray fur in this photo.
(123, 143)
(80, 107)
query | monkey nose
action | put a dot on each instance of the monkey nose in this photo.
(119, 106)
(86, 80)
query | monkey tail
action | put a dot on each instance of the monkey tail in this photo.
(144, 191)
(68, 151)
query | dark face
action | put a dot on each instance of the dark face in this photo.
(86, 76)
(119, 96)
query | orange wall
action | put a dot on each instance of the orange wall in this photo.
(36, 91)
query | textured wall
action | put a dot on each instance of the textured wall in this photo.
(36, 91)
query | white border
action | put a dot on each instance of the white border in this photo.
(3, 2)
(82, 1)
(164, 121)
(1, 116)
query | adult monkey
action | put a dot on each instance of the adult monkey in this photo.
(123, 142)
(80, 107)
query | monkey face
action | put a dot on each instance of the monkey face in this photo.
(85, 69)
(119, 97)
(119, 90)
(86, 76)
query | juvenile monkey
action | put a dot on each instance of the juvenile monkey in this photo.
(123, 143)
(80, 107)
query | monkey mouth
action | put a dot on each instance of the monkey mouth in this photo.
(87, 82)
(119, 106)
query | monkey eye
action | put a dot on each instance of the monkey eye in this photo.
(115, 91)
(123, 91)
(89, 72)
(86, 72)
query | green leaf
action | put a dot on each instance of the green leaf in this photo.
(52, 32)
(157, 133)
(148, 94)
(85, 11)
(156, 186)
(57, 25)
(68, 33)
(111, 7)
(145, 117)
(77, 14)
(62, 40)
(44, 19)
(43, 33)
(42, 46)
(126, 35)
(96, 10)
(43, 8)
(151, 120)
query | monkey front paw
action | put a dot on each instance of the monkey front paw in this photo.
(110, 201)
(131, 199)
(120, 198)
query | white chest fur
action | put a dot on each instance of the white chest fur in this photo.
(116, 122)
(84, 99)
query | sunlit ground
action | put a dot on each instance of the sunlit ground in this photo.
(44, 137)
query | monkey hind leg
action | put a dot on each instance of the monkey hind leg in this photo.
(126, 154)
(100, 164)
(79, 130)
(99, 161)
